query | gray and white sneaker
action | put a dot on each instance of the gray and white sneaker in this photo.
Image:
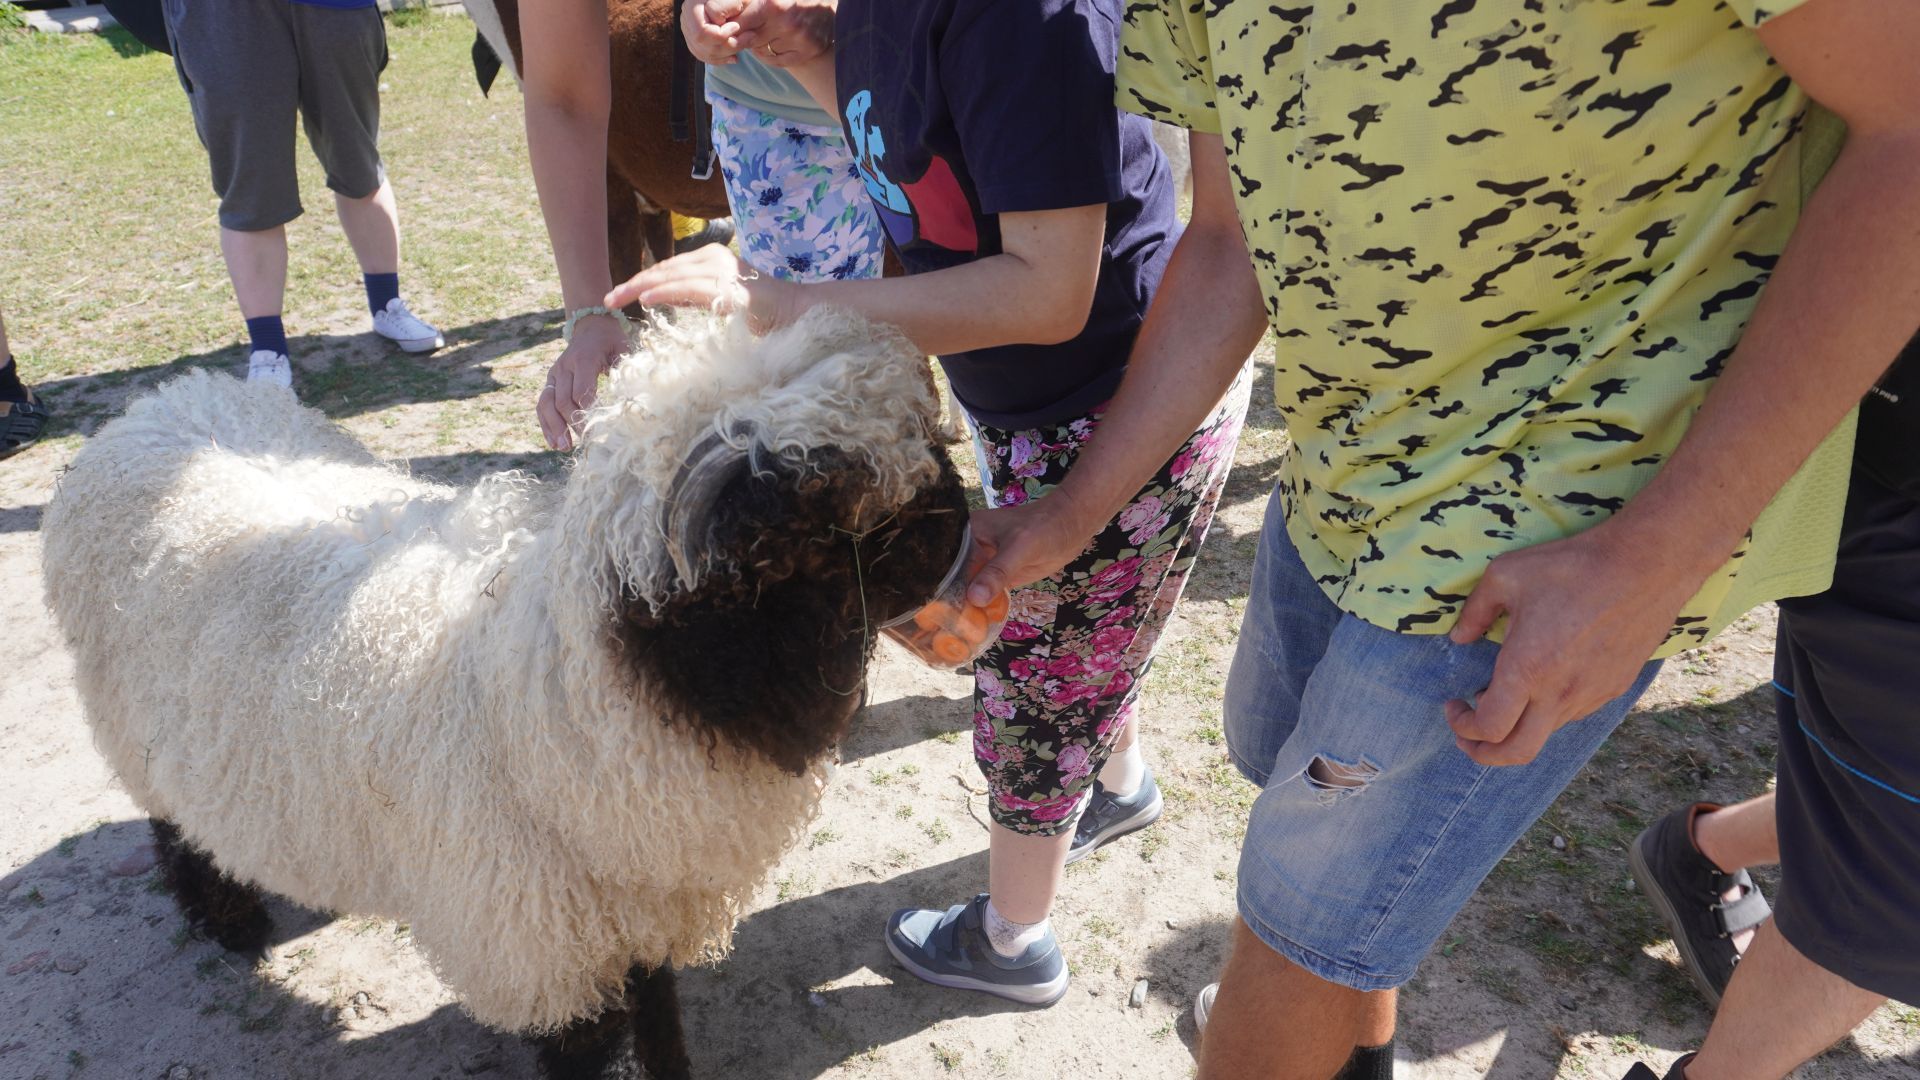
(1108, 817)
(265, 365)
(950, 948)
(404, 328)
(1203, 1005)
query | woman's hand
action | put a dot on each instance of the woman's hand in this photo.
(717, 279)
(598, 341)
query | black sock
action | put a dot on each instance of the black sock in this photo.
(267, 334)
(382, 289)
(11, 388)
(1369, 1063)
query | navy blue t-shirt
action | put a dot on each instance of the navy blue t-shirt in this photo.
(961, 110)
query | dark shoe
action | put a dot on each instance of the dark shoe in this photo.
(1108, 817)
(1641, 1072)
(21, 423)
(715, 231)
(950, 948)
(1687, 892)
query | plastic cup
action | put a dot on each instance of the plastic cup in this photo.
(946, 631)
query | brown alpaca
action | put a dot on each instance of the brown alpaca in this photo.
(649, 175)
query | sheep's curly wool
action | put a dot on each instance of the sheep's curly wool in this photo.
(374, 694)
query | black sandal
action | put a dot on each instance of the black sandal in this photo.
(1687, 890)
(1641, 1072)
(21, 423)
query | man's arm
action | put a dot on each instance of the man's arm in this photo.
(1205, 319)
(1585, 613)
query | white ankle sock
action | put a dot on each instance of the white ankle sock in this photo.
(1124, 771)
(1007, 937)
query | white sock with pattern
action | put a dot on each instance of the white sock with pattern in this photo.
(1007, 937)
(1124, 771)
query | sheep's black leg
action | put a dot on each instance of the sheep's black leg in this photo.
(227, 910)
(596, 1049)
(657, 1034)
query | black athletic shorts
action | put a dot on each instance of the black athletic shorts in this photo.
(1847, 671)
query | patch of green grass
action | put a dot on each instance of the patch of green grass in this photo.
(937, 831)
(67, 845)
(793, 886)
(880, 777)
(1559, 950)
(405, 14)
(1151, 843)
(948, 1058)
(1503, 983)
(909, 769)
(35, 898)
(947, 737)
(76, 1060)
(821, 836)
(903, 811)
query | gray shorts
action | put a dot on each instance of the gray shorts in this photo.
(248, 66)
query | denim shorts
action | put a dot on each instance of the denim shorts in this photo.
(1372, 828)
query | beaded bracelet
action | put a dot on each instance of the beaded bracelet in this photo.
(566, 332)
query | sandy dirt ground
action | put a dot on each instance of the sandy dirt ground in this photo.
(1556, 969)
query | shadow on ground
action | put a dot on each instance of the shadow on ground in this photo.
(95, 900)
(340, 374)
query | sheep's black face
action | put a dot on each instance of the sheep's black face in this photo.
(772, 658)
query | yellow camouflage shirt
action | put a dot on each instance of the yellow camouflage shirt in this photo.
(1506, 248)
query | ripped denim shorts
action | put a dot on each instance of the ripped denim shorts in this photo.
(1372, 829)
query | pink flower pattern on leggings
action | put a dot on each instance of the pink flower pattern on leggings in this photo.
(1052, 695)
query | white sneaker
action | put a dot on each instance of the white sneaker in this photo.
(265, 365)
(1203, 1005)
(405, 329)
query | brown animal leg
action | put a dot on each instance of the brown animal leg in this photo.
(628, 233)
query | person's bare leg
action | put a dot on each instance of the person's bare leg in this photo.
(257, 266)
(1780, 1010)
(1740, 835)
(1736, 837)
(1272, 1020)
(1023, 872)
(372, 225)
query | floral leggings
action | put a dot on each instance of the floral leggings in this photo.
(800, 209)
(1056, 691)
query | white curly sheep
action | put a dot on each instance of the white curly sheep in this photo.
(562, 734)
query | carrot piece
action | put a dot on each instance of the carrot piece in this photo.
(934, 616)
(950, 649)
(972, 625)
(996, 608)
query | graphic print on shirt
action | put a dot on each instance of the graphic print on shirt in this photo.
(1504, 248)
(932, 208)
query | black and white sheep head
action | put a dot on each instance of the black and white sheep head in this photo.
(792, 498)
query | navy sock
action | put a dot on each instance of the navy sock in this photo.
(268, 334)
(380, 289)
(1369, 1063)
(11, 389)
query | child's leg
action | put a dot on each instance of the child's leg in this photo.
(1054, 694)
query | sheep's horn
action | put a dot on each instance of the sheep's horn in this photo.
(711, 463)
